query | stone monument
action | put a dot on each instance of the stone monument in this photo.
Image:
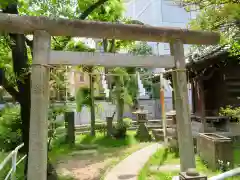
(142, 131)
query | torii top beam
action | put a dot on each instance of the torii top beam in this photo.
(64, 27)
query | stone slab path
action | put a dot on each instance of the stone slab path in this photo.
(129, 168)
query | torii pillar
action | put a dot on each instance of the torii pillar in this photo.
(184, 129)
(38, 135)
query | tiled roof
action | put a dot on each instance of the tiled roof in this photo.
(206, 53)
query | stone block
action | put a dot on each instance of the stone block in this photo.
(213, 148)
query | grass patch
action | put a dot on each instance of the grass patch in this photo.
(100, 141)
(105, 141)
(237, 156)
(163, 157)
(19, 169)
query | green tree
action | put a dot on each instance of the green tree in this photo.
(80, 46)
(218, 15)
(19, 46)
(144, 49)
(123, 87)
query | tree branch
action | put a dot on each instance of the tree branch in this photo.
(29, 42)
(90, 9)
(105, 45)
(112, 47)
(83, 16)
(9, 87)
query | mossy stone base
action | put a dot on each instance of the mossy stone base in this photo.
(143, 133)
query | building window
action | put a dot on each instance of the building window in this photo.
(81, 77)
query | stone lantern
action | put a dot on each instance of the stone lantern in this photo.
(142, 132)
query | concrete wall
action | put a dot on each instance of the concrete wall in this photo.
(105, 109)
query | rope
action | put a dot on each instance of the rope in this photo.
(44, 65)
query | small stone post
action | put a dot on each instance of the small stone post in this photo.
(109, 126)
(191, 174)
(142, 132)
(70, 128)
(173, 140)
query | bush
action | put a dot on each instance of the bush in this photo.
(10, 128)
(232, 112)
(127, 122)
(120, 128)
(53, 124)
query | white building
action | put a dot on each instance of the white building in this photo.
(166, 13)
(159, 13)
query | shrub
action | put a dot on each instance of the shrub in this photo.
(53, 124)
(10, 128)
(232, 112)
(127, 122)
(120, 128)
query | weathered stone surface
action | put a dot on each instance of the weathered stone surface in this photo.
(213, 147)
(165, 168)
(142, 133)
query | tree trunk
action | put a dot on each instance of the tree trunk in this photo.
(20, 67)
(92, 104)
(120, 110)
(51, 171)
(120, 101)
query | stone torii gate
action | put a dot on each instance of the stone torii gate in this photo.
(43, 28)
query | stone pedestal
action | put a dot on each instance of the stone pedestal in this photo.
(173, 138)
(142, 132)
(171, 118)
(191, 174)
(109, 126)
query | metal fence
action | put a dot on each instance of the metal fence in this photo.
(225, 175)
(13, 156)
(228, 174)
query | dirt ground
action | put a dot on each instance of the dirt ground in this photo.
(82, 169)
(92, 164)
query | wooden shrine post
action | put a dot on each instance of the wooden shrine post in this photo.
(202, 105)
(38, 135)
(162, 102)
(184, 130)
